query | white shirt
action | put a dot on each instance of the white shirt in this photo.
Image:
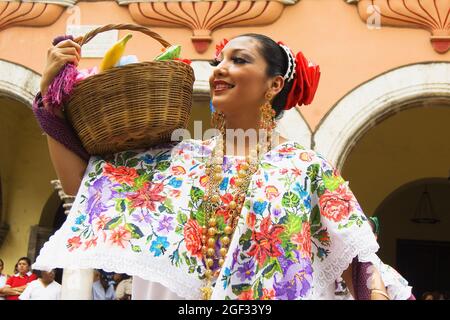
(149, 290)
(36, 290)
(3, 279)
(99, 292)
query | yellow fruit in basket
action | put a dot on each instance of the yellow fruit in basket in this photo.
(114, 53)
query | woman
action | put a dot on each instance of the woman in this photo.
(216, 219)
(17, 283)
(3, 278)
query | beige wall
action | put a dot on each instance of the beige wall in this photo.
(408, 146)
(25, 171)
(330, 32)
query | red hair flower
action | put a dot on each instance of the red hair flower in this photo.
(305, 82)
(219, 48)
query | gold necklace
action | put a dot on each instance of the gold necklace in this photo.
(212, 203)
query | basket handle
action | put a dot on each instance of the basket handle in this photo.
(91, 34)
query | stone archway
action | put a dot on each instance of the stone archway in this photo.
(18, 82)
(420, 84)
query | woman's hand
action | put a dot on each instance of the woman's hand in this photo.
(57, 56)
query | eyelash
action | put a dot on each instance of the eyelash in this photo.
(237, 60)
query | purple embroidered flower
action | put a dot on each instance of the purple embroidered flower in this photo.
(246, 272)
(276, 211)
(142, 216)
(235, 257)
(99, 193)
(296, 279)
(165, 225)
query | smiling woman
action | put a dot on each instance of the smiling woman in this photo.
(264, 219)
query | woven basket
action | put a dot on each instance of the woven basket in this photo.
(130, 107)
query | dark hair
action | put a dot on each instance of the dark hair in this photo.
(26, 259)
(1, 261)
(277, 64)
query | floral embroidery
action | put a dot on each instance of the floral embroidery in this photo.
(150, 203)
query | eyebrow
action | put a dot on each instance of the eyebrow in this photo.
(246, 53)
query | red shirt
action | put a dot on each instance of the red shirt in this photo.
(18, 281)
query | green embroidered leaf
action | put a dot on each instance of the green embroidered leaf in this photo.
(315, 216)
(191, 269)
(247, 204)
(181, 218)
(139, 181)
(313, 171)
(179, 230)
(220, 223)
(120, 205)
(321, 190)
(113, 223)
(239, 288)
(136, 248)
(162, 166)
(298, 146)
(196, 194)
(331, 181)
(193, 261)
(131, 163)
(168, 204)
(290, 199)
(269, 270)
(267, 166)
(200, 216)
(129, 154)
(293, 225)
(136, 233)
(149, 238)
(258, 292)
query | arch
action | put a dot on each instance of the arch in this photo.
(444, 182)
(421, 84)
(18, 82)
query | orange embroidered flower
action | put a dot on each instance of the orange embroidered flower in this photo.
(147, 195)
(338, 204)
(193, 237)
(74, 243)
(120, 174)
(120, 235)
(303, 240)
(266, 242)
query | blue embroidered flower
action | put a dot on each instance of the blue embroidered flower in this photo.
(75, 229)
(159, 246)
(226, 277)
(224, 184)
(304, 195)
(80, 219)
(259, 206)
(148, 159)
(175, 182)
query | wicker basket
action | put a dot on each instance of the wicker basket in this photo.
(130, 107)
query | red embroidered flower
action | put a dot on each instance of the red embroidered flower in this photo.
(338, 204)
(120, 174)
(120, 235)
(305, 82)
(193, 237)
(147, 195)
(265, 242)
(296, 172)
(251, 220)
(74, 243)
(219, 48)
(90, 243)
(259, 183)
(268, 294)
(224, 210)
(303, 240)
(101, 222)
(246, 295)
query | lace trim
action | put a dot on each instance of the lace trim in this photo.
(359, 242)
(53, 255)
